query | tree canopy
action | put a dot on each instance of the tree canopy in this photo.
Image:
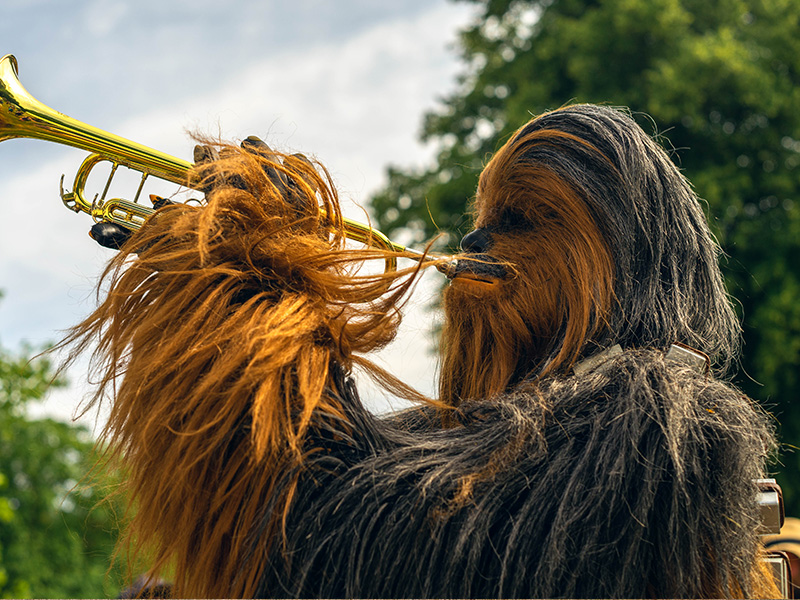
(57, 530)
(718, 81)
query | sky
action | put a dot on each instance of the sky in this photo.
(347, 82)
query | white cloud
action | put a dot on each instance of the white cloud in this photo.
(103, 17)
(355, 105)
(354, 102)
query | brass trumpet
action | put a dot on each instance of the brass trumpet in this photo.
(22, 116)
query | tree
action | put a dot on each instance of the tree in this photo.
(719, 80)
(57, 534)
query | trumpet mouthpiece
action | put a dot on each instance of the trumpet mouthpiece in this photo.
(448, 268)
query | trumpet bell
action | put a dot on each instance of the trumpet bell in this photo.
(21, 115)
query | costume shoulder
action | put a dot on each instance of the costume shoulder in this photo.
(654, 466)
(636, 479)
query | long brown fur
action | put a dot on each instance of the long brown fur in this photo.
(584, 233)
(227, 335)
(562, 275)
(214, 343)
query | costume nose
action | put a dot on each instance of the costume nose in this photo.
(477, 241)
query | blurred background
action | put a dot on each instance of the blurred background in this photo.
(346, 82)
(403, 102)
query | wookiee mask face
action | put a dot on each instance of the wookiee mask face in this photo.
(534, 279)
(586, 236)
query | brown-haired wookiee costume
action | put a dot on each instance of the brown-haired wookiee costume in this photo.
(226, 345)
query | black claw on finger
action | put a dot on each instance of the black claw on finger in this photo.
(255, 144)
(204, 154)
(159, 202)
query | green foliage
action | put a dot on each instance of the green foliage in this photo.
(56, 536)
(720, 78)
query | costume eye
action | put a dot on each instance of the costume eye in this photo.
(512, 220)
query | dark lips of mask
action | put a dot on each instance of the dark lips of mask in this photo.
(480, 267)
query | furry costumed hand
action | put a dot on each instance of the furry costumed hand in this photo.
(113, 235)
(214, 346)
(285, 186)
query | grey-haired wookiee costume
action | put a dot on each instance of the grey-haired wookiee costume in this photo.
(635, 480)
(631, 479)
